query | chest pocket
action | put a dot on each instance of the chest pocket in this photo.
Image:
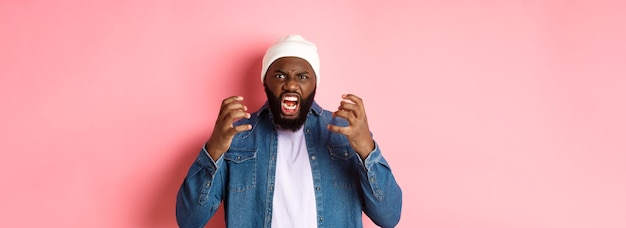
(241, 164)
(343, 166)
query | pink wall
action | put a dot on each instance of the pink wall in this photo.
(512, 111)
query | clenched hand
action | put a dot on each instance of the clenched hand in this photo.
(357, 131)
(223, 132)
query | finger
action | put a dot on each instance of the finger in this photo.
(241, 128)
(230, 130)
(235, 115)
(352, 98)
(229, 107)
(357, 100)
(338, 129)
(348, 115)
(228, 101)
(233, 107)
(350, 107)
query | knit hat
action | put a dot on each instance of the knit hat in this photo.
(292, 46)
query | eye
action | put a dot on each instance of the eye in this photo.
(279, 76)
(302, 77)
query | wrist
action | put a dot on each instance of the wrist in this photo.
(365, 149)
(213, 153)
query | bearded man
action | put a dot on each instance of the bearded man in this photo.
(291, 163)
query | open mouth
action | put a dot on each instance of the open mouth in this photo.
(289, 104)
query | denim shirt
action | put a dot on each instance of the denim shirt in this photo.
(243, 177)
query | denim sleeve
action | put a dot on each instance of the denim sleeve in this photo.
(382, 195)
(201, 192)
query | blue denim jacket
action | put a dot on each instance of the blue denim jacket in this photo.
(345, 186)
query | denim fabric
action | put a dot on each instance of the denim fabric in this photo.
(345, 186)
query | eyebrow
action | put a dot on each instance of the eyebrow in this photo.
(298, 73)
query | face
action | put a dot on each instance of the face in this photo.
(290, 89)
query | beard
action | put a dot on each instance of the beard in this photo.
(282, 122)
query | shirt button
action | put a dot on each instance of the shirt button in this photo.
(307, 130)
(317, 188)
(321, 218)
(238, 157)
(312, 157)
(208, 184)
(345, 154)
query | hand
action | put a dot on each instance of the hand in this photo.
(357, 131)
(223, 132)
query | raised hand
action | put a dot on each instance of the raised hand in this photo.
(357, 131)
(232, 109)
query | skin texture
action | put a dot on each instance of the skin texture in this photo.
(291, 75)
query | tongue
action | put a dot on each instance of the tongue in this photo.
(287, 111)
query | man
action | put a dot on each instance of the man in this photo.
(291, 163)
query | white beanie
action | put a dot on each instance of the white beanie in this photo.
(292, 46)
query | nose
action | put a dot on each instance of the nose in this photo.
(290, 84)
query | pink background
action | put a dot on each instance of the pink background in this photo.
(491, 113)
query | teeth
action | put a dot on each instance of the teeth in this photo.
(290, 107)
(291, 98)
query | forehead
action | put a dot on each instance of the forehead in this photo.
(291, 62)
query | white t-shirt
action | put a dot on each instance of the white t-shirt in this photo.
(294, 197)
